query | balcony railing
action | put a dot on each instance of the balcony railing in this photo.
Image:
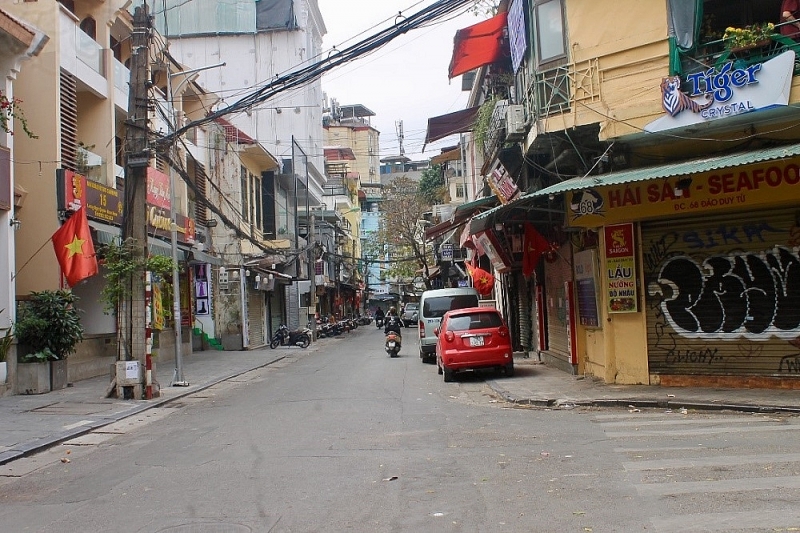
(122, 76)
(716, 54)
(89, 52)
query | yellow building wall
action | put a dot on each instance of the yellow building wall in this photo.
(617, 351)
(36, 160)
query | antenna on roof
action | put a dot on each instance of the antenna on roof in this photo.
(399, 126)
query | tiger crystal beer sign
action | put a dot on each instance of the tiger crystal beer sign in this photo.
(621, 281)
(725, 91)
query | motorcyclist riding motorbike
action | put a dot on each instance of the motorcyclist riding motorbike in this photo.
(379, 317)
(392, 328)
(393, 322)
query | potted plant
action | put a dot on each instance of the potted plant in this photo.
(753, 36)
(5, 347)
(49, 328)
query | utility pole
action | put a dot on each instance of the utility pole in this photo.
(312, 273)
(133, 322)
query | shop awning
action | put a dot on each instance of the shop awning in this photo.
(478, 45)
(444, 157)
(106, 234)
(450, 124)
(460, 216)
(684, 168)
(487, 219)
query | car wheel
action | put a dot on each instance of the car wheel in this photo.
(448, 374)
(438, 369)
(509, 370)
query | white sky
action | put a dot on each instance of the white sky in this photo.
(405, 80)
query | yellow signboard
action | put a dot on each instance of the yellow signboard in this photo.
(732, 188)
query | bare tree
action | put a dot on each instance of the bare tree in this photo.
(403, 229)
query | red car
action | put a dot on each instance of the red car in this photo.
(473, 338)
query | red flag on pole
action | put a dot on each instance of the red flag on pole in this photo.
(534, 246)
(74, 249)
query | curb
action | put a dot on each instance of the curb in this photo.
(649, 403)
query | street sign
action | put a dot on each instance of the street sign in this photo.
(447, 252)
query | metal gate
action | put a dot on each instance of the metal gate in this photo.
(255, 317)
(556, 273)
(722, 294)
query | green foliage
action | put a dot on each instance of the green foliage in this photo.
(49, 321)
(432, 187)
(5, 342)
(39, 357)
(122, 261)
(483, 120)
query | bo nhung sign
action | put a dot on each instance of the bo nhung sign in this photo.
(621, 269)
(745, 187)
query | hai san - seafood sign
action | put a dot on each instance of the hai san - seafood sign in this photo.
(726, 91)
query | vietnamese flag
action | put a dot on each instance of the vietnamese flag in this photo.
(481, 280)
(74, 248)
(534, 246)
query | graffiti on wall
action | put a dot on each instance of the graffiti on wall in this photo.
(752, 295)
(725, 296)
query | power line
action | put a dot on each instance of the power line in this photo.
(337, 58)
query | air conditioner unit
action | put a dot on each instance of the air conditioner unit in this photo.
(515, 122)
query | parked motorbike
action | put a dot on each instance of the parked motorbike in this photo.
(284, 337)
(393, 343)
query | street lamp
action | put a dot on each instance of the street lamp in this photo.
(178, 379)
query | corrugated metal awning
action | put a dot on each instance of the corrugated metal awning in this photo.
(683, 168)
(460, 216)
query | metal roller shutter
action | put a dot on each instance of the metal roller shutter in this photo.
(255, 317)
(556, 273)
(722, 294)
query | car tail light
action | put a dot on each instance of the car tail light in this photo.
(449, 336)
(421, 330)
(503, 331)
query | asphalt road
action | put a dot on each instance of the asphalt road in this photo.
(343, 438)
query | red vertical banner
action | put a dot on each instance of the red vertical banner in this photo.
(621, 280)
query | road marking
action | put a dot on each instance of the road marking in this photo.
(79, 424)
(727, 460)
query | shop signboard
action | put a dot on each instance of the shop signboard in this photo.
(104, 204)
(745, 187)
(621, 282)
(493, 250)
(725, 91)
(585, 265)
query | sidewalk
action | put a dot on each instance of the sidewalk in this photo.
(541, 385)
(33, 423)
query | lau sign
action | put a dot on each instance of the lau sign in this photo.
(724, 92)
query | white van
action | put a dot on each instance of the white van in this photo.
(432, 307)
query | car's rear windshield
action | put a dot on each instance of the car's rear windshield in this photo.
(474, 321)
(438, 306)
